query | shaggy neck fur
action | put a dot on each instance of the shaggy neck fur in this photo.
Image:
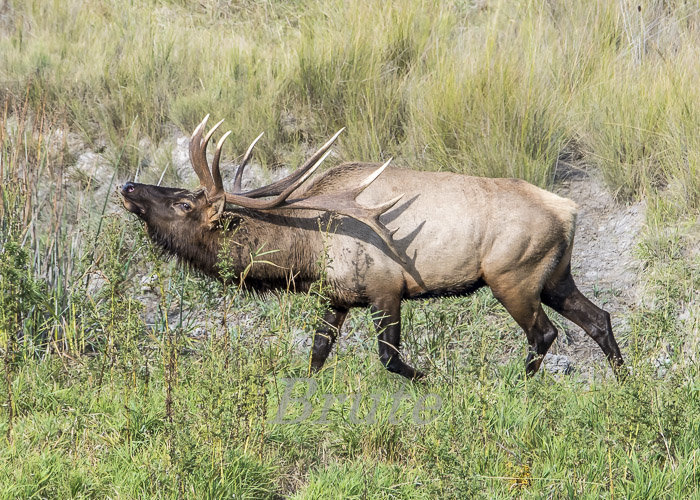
(264, 251)
(195, 251)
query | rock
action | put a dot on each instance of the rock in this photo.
(95, 284)
(181, 162)
(199, 333)
(606, 234)
(557, 363)
(66, 141)
(92, 169)
(662, 364)
(148, 283)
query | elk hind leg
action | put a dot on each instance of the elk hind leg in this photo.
(325, 336)
(565, 298)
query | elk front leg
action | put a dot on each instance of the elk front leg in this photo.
(387, 319)
(325, 336)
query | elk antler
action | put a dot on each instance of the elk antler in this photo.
(340, 202)
(198, 156)
(211, 180)
(278, 187)
(239, 172)
(345, 203)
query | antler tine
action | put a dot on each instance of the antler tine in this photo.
(372, 220)
(370, 179)
(198, 153)
(278, 187)
(198, 129)
(199, 162)
(308, 173)
(244, 201)
(215, 171)
(207, 137)
(246, 157)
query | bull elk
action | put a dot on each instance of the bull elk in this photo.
(388, 234)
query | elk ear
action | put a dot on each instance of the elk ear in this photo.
(216, 208)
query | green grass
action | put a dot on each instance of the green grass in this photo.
(495, 434)
(107, 392)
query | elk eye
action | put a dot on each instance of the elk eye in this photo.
(184, 205)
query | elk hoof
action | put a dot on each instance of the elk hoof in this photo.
(401, 368)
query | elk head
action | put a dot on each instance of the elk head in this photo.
(173, 214)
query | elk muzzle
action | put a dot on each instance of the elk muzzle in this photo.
(128, 192)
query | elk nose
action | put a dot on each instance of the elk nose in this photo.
(128, 187)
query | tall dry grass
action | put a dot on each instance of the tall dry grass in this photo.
(491, 88)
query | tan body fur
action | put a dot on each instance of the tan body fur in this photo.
(455, 230)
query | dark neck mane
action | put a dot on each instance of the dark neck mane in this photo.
(282, 255)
